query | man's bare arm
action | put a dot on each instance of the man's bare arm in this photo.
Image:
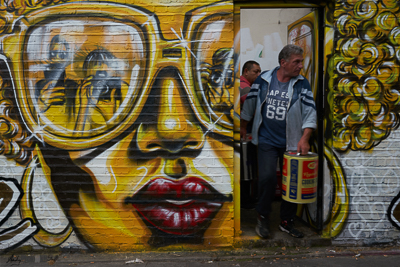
(303, 146)
(243, 129)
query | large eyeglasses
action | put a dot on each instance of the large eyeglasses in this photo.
(82, 75)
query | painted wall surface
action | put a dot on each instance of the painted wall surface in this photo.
(116, 124)
(117, 120)
(363, 101)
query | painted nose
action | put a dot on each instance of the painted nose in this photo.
(175, 128)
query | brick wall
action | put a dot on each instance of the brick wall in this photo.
(364, 101)
(117, 125)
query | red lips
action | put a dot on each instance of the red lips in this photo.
(179, 207)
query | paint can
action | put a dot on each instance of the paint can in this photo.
(299, 177)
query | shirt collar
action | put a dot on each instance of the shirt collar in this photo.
(244, 82)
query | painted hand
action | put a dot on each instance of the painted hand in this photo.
(51, 95)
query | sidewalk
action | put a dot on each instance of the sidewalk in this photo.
(241, 255)
(281, 246)
(278, 239)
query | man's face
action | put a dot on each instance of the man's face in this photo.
(293, 66)
(150, 126)
(252, 74)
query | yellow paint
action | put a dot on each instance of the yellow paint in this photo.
(103, 214)
(364, 83)
(43, 237)
(157, 58)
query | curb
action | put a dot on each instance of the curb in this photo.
(203, 256)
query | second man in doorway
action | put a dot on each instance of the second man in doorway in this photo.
(251, 70)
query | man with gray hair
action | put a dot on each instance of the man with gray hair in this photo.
(281, 102)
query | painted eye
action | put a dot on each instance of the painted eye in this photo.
(215, 69)
(79, 83)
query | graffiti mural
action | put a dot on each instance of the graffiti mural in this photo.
(117, 123)
(363, 81)
(123, 122)
(11, 194)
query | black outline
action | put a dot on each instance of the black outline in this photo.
(22, 240)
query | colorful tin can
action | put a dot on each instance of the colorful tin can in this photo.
(299, 177)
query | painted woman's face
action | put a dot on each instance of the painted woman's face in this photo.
(144, 121)
(165, 176)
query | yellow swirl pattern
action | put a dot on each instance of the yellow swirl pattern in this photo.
(365, 79)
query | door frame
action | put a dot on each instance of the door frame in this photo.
(320, 94)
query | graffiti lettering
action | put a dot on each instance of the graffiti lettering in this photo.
(14, 260)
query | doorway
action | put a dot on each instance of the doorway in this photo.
(263, 33)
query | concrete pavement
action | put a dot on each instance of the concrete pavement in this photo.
(280, 249)
(278, 256)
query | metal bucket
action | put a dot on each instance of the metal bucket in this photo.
(299, 177)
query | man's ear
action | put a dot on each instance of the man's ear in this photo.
(245, 72)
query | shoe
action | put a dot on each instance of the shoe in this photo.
(288, 227)
(262, 227)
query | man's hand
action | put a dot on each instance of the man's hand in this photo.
(243, 129)
(303, 146)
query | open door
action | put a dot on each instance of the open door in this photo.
(304, 33)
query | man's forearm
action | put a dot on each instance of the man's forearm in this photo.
(243, 129)
(307, 134)
(243, 123)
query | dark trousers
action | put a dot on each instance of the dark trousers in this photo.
(267, 162)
